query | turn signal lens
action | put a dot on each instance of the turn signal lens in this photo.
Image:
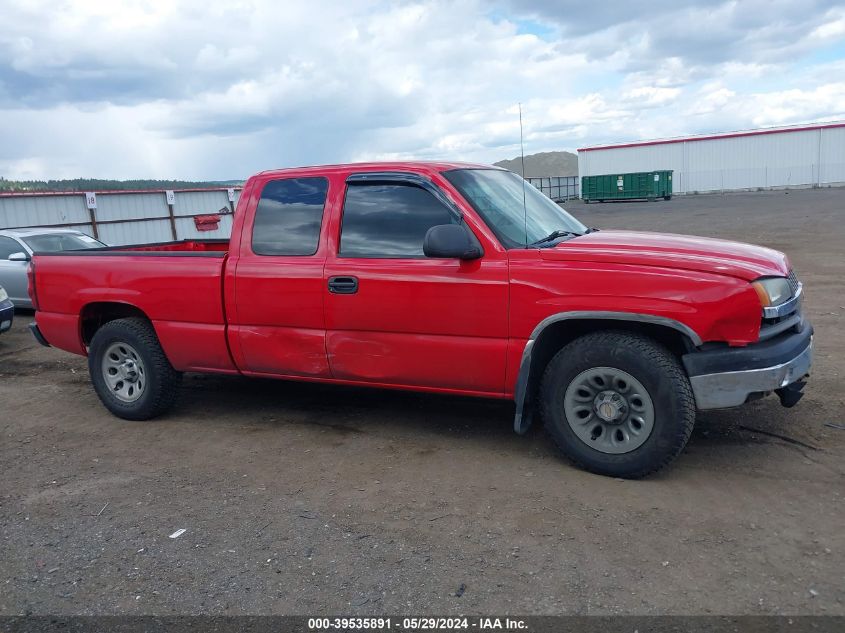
(772, 291)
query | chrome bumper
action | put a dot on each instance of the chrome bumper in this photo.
(732, 388)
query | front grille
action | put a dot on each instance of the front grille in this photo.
(793, 281)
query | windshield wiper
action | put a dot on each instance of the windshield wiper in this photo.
(555, 235)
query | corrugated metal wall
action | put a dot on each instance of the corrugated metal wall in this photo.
(789, 158)
(832, 155)
(123, 217)
(20, 211)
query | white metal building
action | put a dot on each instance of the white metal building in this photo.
(794, 156)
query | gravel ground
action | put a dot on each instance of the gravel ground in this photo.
(299, 498)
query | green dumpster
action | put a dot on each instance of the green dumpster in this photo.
(648, 185)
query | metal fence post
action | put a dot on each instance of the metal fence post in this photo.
(94, 224)
(91, 203)
(170, 199)
(230, 195)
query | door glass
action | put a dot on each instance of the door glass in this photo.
(289, 217)
(9, 246)
(389, 220)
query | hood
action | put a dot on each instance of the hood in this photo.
(702, 254)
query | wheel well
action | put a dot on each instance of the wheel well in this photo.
(96, 315)
(556, 335)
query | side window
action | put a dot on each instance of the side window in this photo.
(9, 246)
(389, 220)
(289, 217)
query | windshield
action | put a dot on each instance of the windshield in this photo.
(52, 242)
(497, 196)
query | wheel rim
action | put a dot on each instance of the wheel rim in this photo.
(609, 410)
(123, 371)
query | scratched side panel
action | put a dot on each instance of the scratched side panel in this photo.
(459, 362)
(423, 322)
(291, 351)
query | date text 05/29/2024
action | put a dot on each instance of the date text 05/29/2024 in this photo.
(416, 624)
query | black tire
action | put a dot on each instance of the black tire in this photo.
(667, 197)
(649, 363)
(162, 381)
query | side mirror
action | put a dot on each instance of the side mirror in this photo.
(19, 257)
(451, 241)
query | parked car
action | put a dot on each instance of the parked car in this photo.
(448, 278)
(7, 311)
(17, 247)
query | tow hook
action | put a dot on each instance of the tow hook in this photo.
(791, 394)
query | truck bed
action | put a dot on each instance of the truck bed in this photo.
(178, 286)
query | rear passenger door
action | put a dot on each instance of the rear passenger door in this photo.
(397, 317)
(279, 327)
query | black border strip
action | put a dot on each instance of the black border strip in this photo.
(519, 624)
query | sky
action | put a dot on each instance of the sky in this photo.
(207, 89)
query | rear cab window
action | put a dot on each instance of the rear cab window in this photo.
(389, 220)
(289, 217)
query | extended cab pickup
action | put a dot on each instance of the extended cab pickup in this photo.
(449, 278)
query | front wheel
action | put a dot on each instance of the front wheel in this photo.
(617, 404)
(130, 372)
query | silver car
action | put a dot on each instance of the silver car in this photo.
(17, 247)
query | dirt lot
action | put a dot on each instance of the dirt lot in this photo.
(307, 499)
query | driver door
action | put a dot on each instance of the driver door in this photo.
(396, 317)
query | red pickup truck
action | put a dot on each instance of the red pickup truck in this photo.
(441, 277)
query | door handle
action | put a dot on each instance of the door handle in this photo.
(343, 285)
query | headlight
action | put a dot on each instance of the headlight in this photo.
(3, 294)
(773, 291)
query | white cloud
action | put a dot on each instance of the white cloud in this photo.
(832, 29)
(712, 97)
(215, 89)
(824, 102)
(651, 96)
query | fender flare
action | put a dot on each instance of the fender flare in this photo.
(523, 416)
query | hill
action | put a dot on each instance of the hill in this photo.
(544, 164)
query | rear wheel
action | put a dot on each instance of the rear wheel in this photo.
(130, 372)
(617, 404)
